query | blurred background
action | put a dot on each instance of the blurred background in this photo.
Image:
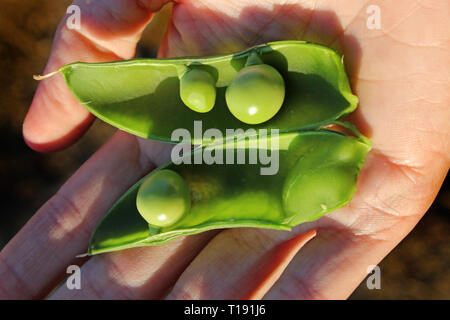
(419, 268)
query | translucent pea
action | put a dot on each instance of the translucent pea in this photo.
(163, 198)
(317, 191)
(256, 94)
(198, 90)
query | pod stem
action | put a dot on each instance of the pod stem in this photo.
(253, 59)
(354, 130)
(182, 70)
(153, 230)
(45, 76)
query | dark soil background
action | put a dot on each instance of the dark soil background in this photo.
(419, 268)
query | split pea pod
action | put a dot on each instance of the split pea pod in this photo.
(307, 87)
(317, 173)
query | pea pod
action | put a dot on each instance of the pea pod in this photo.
(142, 96)
(293, 86)
(317, 173)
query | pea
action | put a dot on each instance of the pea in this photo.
(256, 94)
(198, 90)
(163, 198)
(314, 191)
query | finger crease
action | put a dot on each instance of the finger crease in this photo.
(93, 42)
(20, 283)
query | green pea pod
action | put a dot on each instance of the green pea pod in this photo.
(142, 96)
(316, 173)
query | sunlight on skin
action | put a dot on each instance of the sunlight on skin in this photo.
(400, 74)
(68, 219)
(132, 273)
(256, 252)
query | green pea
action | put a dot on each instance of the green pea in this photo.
(198, 90)
(256, 94)
(163, 198)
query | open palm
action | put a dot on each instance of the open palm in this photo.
(399, 72)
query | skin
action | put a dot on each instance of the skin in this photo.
(400, 74)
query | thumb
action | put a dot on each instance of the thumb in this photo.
(108, 30)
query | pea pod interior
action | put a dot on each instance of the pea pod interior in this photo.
(142, 96)
(317, 173)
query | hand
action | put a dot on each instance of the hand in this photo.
(400, 74)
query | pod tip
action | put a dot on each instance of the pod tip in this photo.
(45, 76)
